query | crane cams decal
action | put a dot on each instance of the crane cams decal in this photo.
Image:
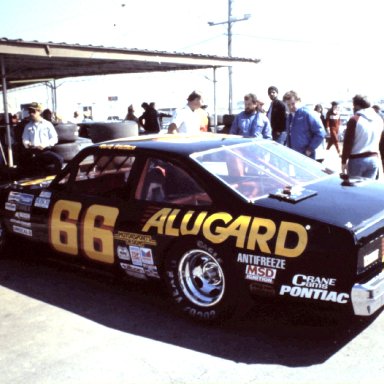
(287, 239)
(314, 287)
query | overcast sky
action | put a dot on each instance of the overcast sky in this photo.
(325, 50)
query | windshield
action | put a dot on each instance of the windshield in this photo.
(261, 167)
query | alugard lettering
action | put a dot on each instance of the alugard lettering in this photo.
(248, 232)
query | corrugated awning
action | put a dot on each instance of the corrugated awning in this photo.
(32, 62)
(28, 62)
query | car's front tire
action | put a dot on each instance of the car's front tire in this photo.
(199, 283)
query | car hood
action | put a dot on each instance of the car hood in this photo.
(333, 202)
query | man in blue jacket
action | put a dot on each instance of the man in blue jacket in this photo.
(251, 122)
(305, 131)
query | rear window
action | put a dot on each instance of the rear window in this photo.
(258, 168)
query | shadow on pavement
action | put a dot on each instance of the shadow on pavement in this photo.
(269, 333)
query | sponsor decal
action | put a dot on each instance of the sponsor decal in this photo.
(23, 223)
(135, 255)
(23, 216)
(46, 194)
(42, 202)
(314, 287)
(22, 231)
(313, 281)
(135, 238)
(10, 206)
(23, 208)
(264, 261)
(287, 239)
(26, 199)
(133, 270)
(151, 271)
(262, 274)
(146, 255)
(45, 180)
(262, 289)
(14, 197)
(123, 253)
(117, 146)
(141, 257)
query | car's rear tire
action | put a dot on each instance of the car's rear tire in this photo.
(199, 283)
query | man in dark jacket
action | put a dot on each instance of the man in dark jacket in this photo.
(277, 115)
(149, 119)
(305, 131)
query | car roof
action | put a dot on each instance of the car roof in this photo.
(178, 143)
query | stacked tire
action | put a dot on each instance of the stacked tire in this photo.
(103, 131)
(67, 146)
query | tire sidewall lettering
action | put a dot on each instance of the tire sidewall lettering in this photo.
(174, 286)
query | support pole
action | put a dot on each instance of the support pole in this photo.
(230, 55)
(54, 97)
(6, 116)
(214, 100)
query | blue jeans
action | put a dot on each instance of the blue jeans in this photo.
(364, 167)
(281, 138)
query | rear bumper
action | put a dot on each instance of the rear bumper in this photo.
(367, 298)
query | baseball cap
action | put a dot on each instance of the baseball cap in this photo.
(36, 106)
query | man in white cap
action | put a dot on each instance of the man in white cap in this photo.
(39, 136)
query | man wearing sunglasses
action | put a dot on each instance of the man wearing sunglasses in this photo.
(39, 136)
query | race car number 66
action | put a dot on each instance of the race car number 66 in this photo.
(95, 236)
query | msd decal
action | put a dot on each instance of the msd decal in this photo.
(261, 274)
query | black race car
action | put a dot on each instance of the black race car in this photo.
(220, 219)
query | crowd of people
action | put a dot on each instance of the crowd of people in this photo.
(307, 131)
(287, 121)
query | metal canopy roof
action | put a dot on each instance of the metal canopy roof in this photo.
(30, 62)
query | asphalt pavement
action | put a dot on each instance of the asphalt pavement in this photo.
(65, 325)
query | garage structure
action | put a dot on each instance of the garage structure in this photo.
(28, 62)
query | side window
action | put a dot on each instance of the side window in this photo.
(162, 181)
(104, 175)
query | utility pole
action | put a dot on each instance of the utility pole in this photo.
(229, 23)
(230, 98)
